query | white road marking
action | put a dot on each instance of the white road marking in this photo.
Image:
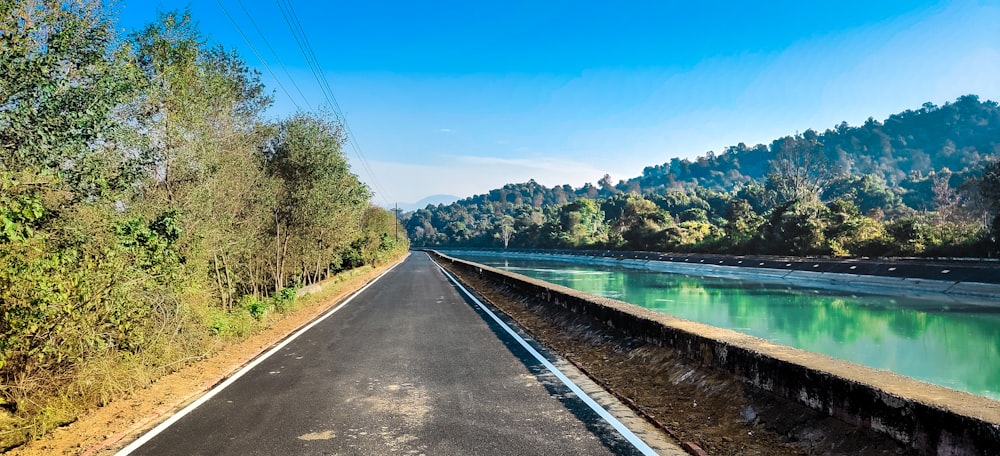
(624, 431)
(177, 416)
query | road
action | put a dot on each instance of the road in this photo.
(409, 366)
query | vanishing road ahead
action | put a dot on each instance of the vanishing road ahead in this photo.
(409, 366)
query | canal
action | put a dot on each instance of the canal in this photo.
(944, 340)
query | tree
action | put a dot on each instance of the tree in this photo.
(200, 121)
(868, 192)
(580, 223)
(78, 279)
(847, 232)
(945, 198)
(634, 220)
(607, 186)
(797, 227)
(505, 230)
(742, 223)
(989, 188)
(319, 203)
(377, 236)
(60, 81)
(798, 170)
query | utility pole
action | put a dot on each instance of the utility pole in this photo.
(396, 212)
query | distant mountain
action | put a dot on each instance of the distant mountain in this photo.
(433, 200)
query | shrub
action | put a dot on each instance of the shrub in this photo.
(256, 307)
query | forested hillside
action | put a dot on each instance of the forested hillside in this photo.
(148, 210)
(922, 182)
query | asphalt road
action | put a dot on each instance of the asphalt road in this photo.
(407, 367)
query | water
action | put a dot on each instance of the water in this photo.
(942, 341)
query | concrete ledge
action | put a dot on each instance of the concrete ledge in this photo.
(932, 420)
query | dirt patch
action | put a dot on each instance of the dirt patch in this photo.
(706, 407)
(104, 430)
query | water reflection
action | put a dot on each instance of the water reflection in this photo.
(943, 342)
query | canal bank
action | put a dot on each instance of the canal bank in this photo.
(979, 279)
(925, 418)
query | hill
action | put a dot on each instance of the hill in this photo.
(908, 185)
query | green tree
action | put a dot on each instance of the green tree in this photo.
(636, 220)
(797, 227)
(319, 203)
(60, 81)
(78, 279)
(202, 135)
(868, 192)
(848, 232)
(742, 223)
(581, 223)
(378, 236)
(989, 188)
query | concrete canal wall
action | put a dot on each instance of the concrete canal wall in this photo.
(930, 419)
(961, 279)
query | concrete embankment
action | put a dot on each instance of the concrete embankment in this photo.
(967, 280)
(926, 418)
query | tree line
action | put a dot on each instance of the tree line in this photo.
(921, 183)
(148, 207)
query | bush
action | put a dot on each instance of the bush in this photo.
(256, 307)
(231, 325)
(283, 299)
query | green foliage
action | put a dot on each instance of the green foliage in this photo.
(742, 225)
(990, 191)
(20, 210)
(910, 235)
(63, 302)
(152, 245)
(868, 193)
(283, 299)
(229, 325)
(147, 209)
(321, 206)
(580, 223)
(797, 227)
(846, 191)
(61, 81)
(256, 307)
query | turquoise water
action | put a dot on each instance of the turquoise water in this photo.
(946, 342)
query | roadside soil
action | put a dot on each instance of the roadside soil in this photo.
(104, 430)
(710, 409)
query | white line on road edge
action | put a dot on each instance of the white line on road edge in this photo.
(177, 416)
(624, 431)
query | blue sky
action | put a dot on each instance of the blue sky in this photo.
(461, 97)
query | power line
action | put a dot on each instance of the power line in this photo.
(305, 47)
(302, 41)
(281, 64)
(254, 49)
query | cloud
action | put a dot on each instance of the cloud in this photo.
(445, 130)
